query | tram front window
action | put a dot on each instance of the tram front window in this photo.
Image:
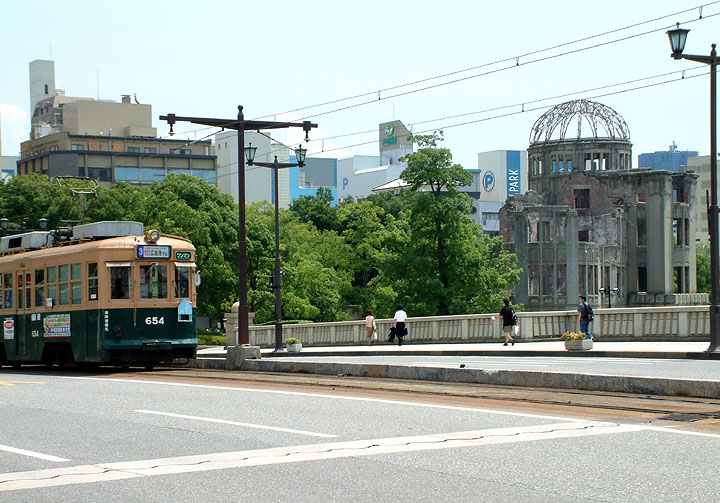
(182, 282)
(119, 282)
(153, 281)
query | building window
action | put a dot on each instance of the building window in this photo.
(127, 174)
(150, 150)
(53, 148)
(184, 151)
(490, 216)
(100, 174)
(77, 146)
(134, 149)
(178, 172)
(584, 236)
(582, 198)
(205, 174)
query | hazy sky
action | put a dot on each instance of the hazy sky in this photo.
(204, 59)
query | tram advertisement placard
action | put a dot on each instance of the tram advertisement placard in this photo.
(147, 251)
(8, 328)
(56, 325)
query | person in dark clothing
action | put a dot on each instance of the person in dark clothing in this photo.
(583, 319)
(507, 315)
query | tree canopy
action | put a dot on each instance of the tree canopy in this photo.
(418, 247)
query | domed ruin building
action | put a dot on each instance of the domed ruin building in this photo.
(591, 224)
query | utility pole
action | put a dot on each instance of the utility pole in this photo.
(240, 125)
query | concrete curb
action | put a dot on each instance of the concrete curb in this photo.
(660, 386)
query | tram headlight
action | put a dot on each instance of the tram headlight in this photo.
(152, 235)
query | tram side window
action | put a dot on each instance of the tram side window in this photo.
(182, 282)
(120, 285)
(153, 281)
(92, 281)
(20, 303)
(39, 287)
(63, 285)
(28, 289)
(7, 284)
(75, 283)
(52, 288)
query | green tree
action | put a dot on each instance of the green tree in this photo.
(317, 209)
(702, 267)
(435, 217)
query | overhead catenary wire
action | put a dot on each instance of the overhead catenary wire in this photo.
(514, 59)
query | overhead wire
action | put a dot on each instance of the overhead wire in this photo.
(503, 60)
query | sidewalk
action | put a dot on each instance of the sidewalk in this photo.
(329, 361)
(684, 350)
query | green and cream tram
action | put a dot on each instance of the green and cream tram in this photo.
(102, 293)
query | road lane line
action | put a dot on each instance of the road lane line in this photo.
(235, 423)
(105, 472)
(32, 454)
(332, 397)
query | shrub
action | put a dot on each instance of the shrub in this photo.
(573, 336)
(292, 340)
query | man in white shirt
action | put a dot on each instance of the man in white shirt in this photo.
(399, 324)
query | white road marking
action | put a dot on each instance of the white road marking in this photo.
(32, 454)
(332, 397)
(105, 472)
(235, 423)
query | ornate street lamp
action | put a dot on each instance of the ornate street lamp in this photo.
(677, 37)
(276, 284)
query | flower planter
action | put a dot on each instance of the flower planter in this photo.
(579, 345)
(294, 348)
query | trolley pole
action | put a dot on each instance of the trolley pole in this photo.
(240, 125)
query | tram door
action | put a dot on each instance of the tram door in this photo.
(28, 340)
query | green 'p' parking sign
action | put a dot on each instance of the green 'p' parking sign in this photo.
(182, 255)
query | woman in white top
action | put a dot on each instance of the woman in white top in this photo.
(370, 326)
(400, 324)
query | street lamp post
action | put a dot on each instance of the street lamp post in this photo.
(610, 292)
(250, 157)
(677, 37)
(240, 125)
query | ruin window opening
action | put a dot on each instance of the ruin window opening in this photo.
(641, 232)
(582, 198)
(584, 235)
(642, 279)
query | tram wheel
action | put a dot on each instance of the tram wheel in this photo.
(149, 366)
(16, 365)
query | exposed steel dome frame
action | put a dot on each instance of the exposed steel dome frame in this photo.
(603, 122)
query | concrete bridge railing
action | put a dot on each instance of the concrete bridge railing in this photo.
(610, 324)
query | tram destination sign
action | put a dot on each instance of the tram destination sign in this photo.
(147, 251)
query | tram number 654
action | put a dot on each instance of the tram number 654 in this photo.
(154, 320)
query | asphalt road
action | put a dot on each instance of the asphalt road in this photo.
(120, 438)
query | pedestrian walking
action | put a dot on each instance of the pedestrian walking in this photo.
(509, 319)
(399, 326)
(585, 316)
(370, 326)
